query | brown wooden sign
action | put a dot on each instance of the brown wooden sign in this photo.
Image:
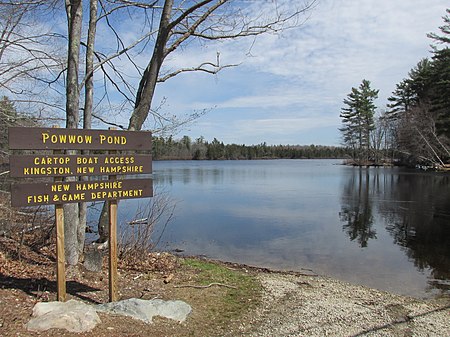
(22, 138)
(59, 193)
(33, 194)
(28, 166)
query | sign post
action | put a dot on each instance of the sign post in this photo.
(112, 222)
(60, 255)
(60, 192)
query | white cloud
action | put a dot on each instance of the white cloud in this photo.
(296, 81)
(286, 125)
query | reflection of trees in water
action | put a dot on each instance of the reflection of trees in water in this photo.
(415, 207)
(418, 218)
(356, 210)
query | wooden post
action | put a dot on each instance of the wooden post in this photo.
(60, 254)
(60, 250)
(113, 294)
(113, 291)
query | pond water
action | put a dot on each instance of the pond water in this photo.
(387, 228)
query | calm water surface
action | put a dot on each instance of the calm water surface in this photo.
(386, 228)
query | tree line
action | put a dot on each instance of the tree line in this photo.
(414, 128)
(200, 149)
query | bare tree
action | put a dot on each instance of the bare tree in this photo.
(206, 20)
(167, 26)
(418, 138)
(180, 22)
(26, 52)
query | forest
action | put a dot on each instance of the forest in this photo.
(200, 149)
(414, 128)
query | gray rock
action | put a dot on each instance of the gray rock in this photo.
(145, 310)
(77, 316)
(93, 260)
(72, 315)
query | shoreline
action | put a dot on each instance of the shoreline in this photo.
(432, 295)
(228, 299)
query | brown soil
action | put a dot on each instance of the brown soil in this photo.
(243, 302)
(216, 309)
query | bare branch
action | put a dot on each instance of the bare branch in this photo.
(108, 123)
(207, 67)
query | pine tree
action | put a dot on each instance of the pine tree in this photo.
(358, 120)
(401, 101)
(441, 77)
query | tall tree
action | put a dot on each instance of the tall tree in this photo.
(441, 72)
(358, 120)
(419, 113)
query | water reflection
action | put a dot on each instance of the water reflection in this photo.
(415, 209)
(421, 224)
(356, 209)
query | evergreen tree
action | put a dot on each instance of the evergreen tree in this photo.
(419, 112)
(401, 100)
(441, 77)
(358, 120)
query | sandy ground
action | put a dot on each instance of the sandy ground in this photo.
(296, 305)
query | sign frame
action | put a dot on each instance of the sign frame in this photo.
(60, 192)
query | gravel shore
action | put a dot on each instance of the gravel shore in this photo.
(299, 305)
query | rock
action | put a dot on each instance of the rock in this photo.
(145, 309)
(93, 260)
(76, 316)
(72, 315)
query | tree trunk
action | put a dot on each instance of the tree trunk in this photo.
(88, 104)
(74, 11)
(149, 79)
(144, 96)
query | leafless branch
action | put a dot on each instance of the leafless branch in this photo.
(207, 67)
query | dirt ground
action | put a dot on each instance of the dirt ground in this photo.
(227, 299)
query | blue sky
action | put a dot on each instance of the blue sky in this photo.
(289, 89)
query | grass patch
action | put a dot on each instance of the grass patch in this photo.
(240, 292)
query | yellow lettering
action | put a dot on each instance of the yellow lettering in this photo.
(85, 169)
(62, 138)
(120, 140)
(73, 197)
(38, 199)
(87, 160)
(60, 187)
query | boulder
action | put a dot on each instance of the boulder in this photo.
(72, 315)
(77, 316)
(145, 310)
